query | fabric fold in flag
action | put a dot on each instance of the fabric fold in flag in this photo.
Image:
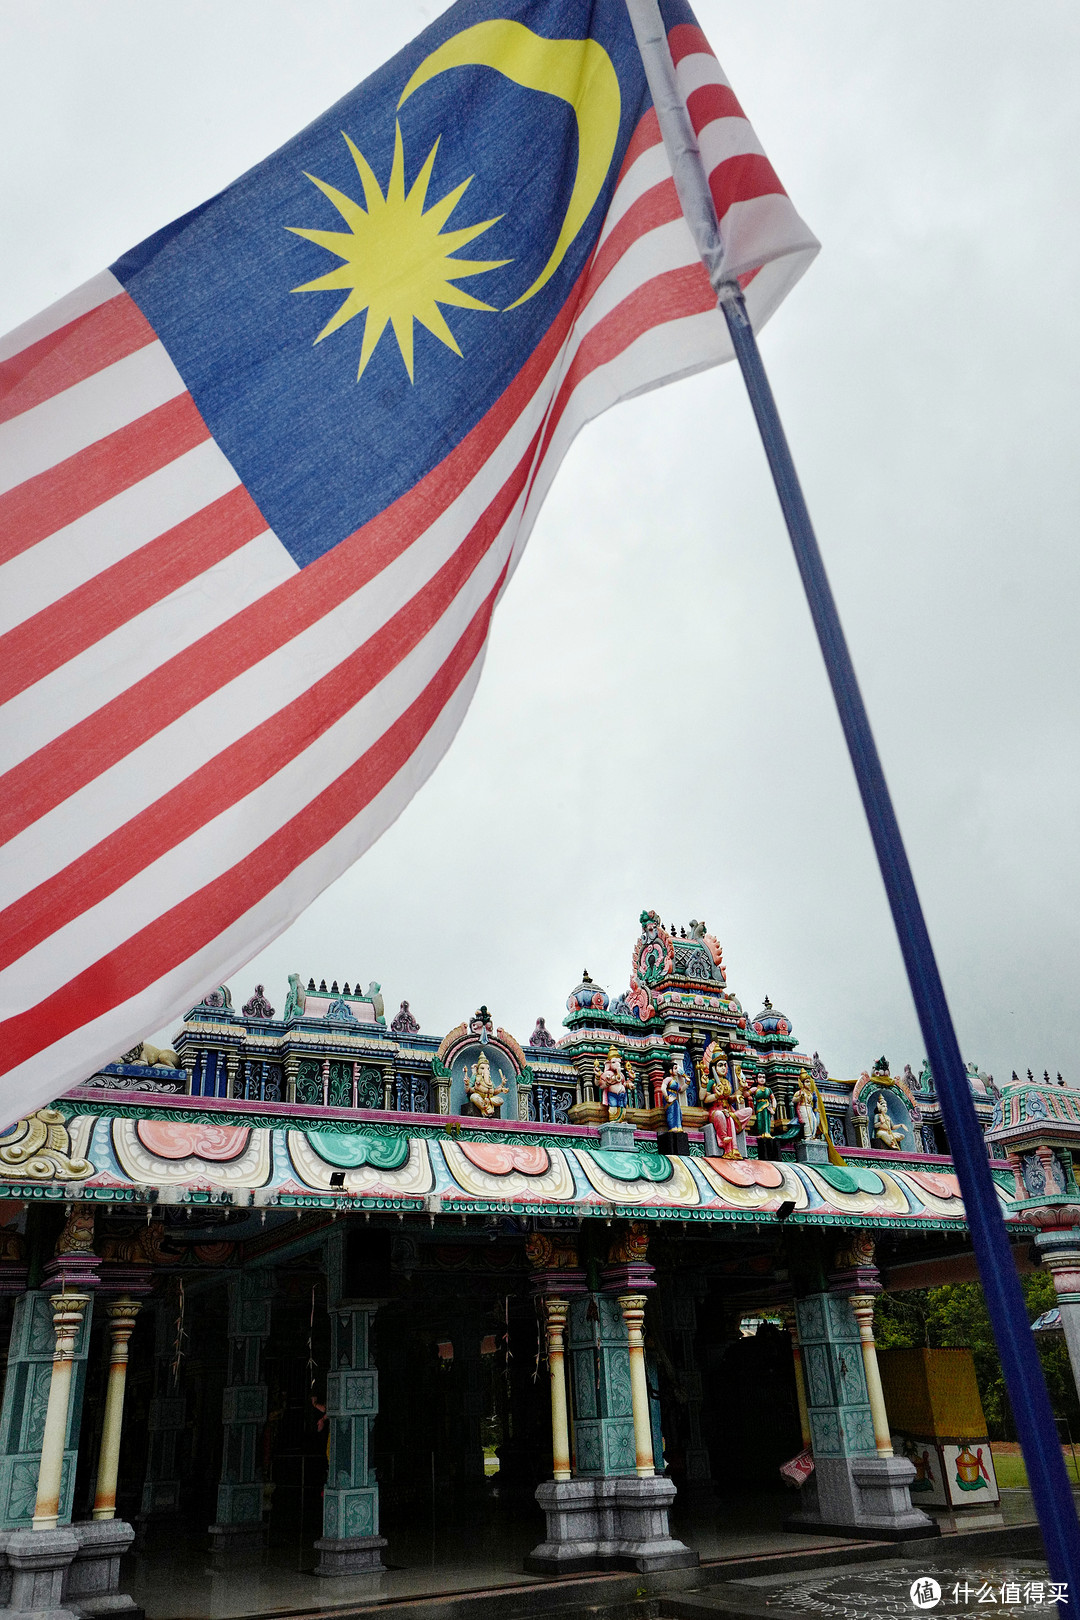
(263, 482)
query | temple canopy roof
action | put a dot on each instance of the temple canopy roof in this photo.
(127, 1148)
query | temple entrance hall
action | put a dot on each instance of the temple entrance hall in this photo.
(323, 1408)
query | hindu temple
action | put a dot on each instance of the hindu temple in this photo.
(319, 1292)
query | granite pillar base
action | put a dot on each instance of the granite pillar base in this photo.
(39, 1561)
(354, 1555)
(607, 1524)
(93, 1583)
(868, 1494)
(237, 1539)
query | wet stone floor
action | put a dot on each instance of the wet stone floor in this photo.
(1006, 1588)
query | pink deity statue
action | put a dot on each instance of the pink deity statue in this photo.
(728, 1114)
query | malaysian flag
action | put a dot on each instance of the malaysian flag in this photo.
(263, 481)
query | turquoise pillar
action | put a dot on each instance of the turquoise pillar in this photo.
(22, 1413)
(350, 1542)
(243, 1412)
(603, 1415)
(841, 1424)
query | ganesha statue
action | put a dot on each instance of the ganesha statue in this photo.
(611, 1083)
(483, 1093)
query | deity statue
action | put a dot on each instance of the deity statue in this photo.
(295, 1000)
(764, 1106)
(728, 1113)
(612, 1083)
(672, 1091)
(886, 1134)
(807, 1107)
(484, 1094)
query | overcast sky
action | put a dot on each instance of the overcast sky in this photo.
(653, 727)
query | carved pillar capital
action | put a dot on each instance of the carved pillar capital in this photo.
(555, 1314)
(121, 1314)
(633, 1310)
(67, 1314)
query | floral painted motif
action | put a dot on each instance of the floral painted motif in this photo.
(167, 1139)
(374, 1165)
(500, 1158)
(170, 1153)
(749, 1172)
(664, 1181)
(941, 1184)
(508, 1170)
(350, 1151)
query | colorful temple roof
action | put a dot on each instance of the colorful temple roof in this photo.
(330, 1103)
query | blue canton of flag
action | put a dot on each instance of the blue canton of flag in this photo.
(262, 483)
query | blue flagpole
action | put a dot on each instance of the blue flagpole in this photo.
(1020, 1363)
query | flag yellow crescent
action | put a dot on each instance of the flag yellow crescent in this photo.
(578, 71)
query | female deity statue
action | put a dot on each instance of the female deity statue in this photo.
(612, 1082)
(764, 1103)
(885, 1132)
(672, 1091)
(484, 1094)
(805, 1102)
(727, 1113)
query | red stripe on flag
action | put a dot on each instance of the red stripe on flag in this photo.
(710, 102)
(58, 770)
(190, 926)
(685, 39)
(37, 508)
(646, 135)
(102, 604)
(739, 179)
(252, 759)
(667, 297)
(72, 353)
(657, 206)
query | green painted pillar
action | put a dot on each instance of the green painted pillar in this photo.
(22, 1413)
(350, 1542)
(243, 1412)
(603, 1414)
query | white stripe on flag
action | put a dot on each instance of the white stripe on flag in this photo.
(86, 683)
(48, 571)
(649, 170)
(727, 138)
(72, 421)
(669, 247)
(696, 71)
